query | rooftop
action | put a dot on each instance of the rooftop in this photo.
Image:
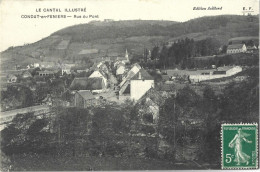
(142, 75)
(235, 46)
(137, 65)
(225, 68)
(85, 83)
(86, 94)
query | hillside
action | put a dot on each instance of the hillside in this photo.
(97, 39)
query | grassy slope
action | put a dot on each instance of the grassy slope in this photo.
(110, 37)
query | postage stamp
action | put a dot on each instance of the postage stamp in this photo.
(239, 144)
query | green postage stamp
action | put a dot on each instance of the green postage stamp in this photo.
(239, 144)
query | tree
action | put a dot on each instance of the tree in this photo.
(163, 56)
(224, 49)
(41, 93)
(57, 87)
(25, 96)
(155, 53)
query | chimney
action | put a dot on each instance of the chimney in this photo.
(140, 77)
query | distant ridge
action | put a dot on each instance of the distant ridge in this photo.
(114, 37)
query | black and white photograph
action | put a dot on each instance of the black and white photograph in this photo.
(112, 85)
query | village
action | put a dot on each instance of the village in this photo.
(115, 81)
(112, 80)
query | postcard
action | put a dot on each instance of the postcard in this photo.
(111, 85)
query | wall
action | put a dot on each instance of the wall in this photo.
(120, 70)
(232, 51)
(230, 72)
(139, 87)
(97, 74)
(79, 101)
(234, 70)
(135, 69)
(198, 78)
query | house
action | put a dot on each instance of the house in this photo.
(80, 69)
(100, 74)
(236, 48)
(148, 106)
(96, 85)
(135, 68)
(118, 62)
(113, 81)
(26, 74)
(35, 65)
(220, 72)
(228, 70)
(65, 69)
(140, 84)
(47, 64)
(11, 78)
(251, 49)
(104, 68)
(84, 99)
(45, 73)
(120, 69)
(125, 88)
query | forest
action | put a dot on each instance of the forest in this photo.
(181, 52)
(117, 29)
(189, 54)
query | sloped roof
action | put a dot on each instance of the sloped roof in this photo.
(142, 75)
(86, 94)
(24, 73)
(129, 76)
(137, 65)
(154, 95)
(120, 65)
(101, 72)
(85, 83)
(112, 79)
(235, 46)
(125, 88)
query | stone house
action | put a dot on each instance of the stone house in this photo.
(100, 74)
(96, 85)
(149, 105)
(84, 99)
(236, 48)
(140, 84)
(120, 69)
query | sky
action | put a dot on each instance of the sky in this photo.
(15, 30)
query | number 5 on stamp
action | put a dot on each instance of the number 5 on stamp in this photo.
(239, 143)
